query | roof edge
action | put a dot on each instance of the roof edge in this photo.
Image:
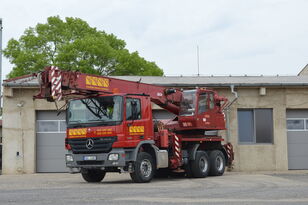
(227, 85)
(18, 78)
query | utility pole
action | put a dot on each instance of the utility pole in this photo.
(1, 62)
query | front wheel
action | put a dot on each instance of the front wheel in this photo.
(143, 168)
(200, 166)
(93, 175)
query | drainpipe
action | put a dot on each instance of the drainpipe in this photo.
(235, 96)
(228, 111)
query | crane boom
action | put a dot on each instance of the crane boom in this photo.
(61, 85)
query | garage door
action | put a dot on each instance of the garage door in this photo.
(50, 135)
(297, 125)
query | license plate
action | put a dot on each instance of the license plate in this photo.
(89, 158)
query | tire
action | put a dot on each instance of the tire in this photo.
(200, 166)
(217, 163)
(144, 168)
(93, 175)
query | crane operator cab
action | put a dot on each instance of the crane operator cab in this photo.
(202, 109)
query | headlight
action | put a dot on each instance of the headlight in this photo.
(113, 157)
(69, 158)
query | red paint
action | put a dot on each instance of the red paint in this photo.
(164, 138)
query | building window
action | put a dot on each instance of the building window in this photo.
(255, 126)
(297, 124)
(51, 126)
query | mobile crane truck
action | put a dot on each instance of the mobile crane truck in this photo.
(110, 127)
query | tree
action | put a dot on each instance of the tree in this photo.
(74, 45)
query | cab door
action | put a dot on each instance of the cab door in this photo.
(135, 125)
(206, 110)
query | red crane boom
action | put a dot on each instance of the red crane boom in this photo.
(69, 84)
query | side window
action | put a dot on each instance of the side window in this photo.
(133, 109)
(202, 103)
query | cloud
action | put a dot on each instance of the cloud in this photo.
(234, 37)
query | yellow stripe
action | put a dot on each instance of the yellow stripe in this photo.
(136, 129)
(100, 82)
(88, 80)
(94, 82)
(97, 81)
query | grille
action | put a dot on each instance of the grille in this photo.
(101, 145)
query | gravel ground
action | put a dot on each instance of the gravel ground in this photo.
(289, 187)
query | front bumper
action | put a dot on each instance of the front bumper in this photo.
(101, 160)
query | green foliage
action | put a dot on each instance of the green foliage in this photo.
(74, 45)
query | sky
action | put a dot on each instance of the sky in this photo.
(234, 37)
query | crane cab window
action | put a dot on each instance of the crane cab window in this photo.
(206, 102)
(211, 101)
(133, 109)
(202, 103)
(188, 103)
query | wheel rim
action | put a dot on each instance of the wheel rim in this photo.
(203, 164)
(146, 168)
(219, 163)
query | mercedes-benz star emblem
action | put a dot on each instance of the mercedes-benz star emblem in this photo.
(89, 144)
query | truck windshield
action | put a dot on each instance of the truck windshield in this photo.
(188, 103)
(99, 110)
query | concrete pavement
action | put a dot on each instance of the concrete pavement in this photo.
(289, 187)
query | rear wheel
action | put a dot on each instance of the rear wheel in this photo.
(217, 163)
(143, 168)
(93, 175)
(200, 166)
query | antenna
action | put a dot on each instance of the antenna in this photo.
(198, 59)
